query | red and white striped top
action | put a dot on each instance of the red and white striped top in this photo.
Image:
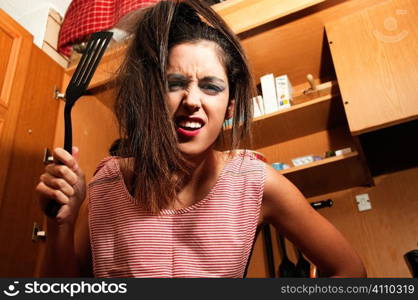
(212, 238)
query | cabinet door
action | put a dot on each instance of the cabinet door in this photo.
(376, 61)
(15, 46)
(34, 128)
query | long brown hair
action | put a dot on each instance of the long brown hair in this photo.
(148, 133)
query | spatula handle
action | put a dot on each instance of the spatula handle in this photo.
(52, 207)
(68, 131)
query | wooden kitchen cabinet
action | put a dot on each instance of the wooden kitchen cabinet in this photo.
(15, 48)
(378, 69)
(29, 110)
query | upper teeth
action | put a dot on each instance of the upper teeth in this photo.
(190, 124)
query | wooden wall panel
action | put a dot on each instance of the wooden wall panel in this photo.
(384, 234)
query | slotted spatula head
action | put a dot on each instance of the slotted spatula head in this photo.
(80, 80)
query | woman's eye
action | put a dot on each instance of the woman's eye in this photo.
(175, 85)
(211, 88)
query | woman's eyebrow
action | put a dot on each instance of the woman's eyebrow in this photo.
(213, 79)
(177, 76)
(181, 77)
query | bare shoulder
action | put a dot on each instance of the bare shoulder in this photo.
(280, 196)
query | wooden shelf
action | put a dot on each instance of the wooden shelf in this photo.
(299, 120)
(261, 11)
(328, 175)
(317, 163)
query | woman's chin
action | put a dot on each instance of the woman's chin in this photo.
(192, 152)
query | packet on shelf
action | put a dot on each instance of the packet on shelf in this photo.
(303, 160)
(331, 153)
(284, 92)
(268, 90)
(280, 166)
(343, 151)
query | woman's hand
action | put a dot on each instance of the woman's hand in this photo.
(63, 183)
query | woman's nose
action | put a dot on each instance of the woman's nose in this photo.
(192, 99)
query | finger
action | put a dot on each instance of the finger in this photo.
(62, 171)
(52, 194)
(58, 184)
(76, 156)
(76, 153)
(63, 214)
(63, 157)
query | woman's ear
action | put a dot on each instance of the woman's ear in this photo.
(230, 109)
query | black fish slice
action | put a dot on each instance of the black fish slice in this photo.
(76, 88)
(286, 268)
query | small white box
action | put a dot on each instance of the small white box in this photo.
(284, 92)
(303, 160)
(268, 88)
(343, 151)
(53, 26)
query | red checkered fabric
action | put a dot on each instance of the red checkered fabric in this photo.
(84, 17)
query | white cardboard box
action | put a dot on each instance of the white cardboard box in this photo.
(268, 88)
(284, 92)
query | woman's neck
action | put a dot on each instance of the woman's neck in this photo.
(204, 173)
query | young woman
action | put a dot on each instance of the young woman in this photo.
(171, 205)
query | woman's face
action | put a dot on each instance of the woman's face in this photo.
(197, 96)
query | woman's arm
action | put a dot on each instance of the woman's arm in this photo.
(286, 208)
(60, 259)
(68, 252)
(64, 183)
(82, 243)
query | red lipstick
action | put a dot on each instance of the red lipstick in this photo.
(186, 131)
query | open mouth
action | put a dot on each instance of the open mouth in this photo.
(189, 126)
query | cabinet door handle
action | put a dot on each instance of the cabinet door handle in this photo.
(48, 158)
(37, 233)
